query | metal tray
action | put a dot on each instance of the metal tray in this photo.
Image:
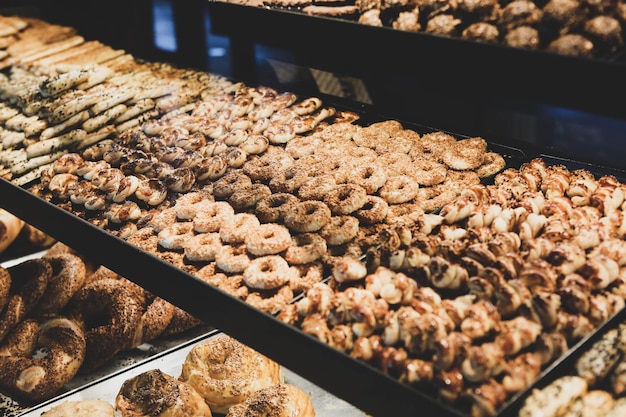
(170, 362)
(355, 382)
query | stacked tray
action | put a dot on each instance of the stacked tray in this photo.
(288, 345)
(376, 391)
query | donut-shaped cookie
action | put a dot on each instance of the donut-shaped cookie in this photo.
(279, 400)
(434, 144)
(203, 247)
(267, 272)
(370, 176)
(301, 146)
(288, 180)
(262, 168)
(465, 154)
(162, 219)
(247, 198)
(232, 259)
(268, 239)
(31, 376)
(317, 187)
(225, 372)
(345, 199)
(305, 248)
(270, 301)
(273, 208)
(155, 393)
(110, 314)
(229, 183)
(68, 276)
(238, 228)
(188, 205)
(493, 163)
(308, 216)
(176, 235)
(427, 172)
(212, 216)
(340, 230)
(374, 210)
(399, 189)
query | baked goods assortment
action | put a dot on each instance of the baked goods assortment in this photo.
(567, 27)
(401, 254)
(226, 372)
(80, 313)
(472, 302)
(62, 93)
(595, 387)
(219, 376)
(257, 191)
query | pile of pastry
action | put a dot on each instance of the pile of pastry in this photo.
(118, 142)
(61, 93)
(255, 183)
(472, 302)
(595, 387)
(219, 376)
(80, 313)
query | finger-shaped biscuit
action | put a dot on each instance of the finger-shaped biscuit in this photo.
(54, 130)
(62, 82)
(96, 122)
(53, 144)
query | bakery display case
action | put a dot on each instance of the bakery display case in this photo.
(426, 82)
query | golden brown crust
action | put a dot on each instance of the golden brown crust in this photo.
(118, 311)
(156, 394)
(279, 400)
(68, 276)
(225, 372)
(39, 378)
